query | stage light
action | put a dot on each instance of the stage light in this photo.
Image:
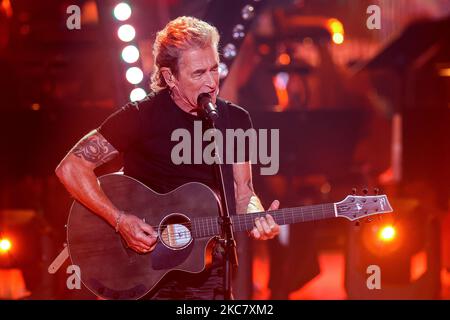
(238, 32)
(35, 107)
(89, 12)
(282, 79)
(122, 11)
(229, 51)
(338, 38)
(284, 59)
(336, 28)
(5, 245)
(444, 72)
(130, 54)
(223, 70)
(383, 239)
(126, 33)
(387, 233)
(6, 7)
(137, 94)
(134, 75)
(248, 12)
(280, 82)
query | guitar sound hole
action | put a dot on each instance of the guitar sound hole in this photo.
(175, 231)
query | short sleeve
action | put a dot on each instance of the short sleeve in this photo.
(241, 123)
(122, 128)
(243, 120)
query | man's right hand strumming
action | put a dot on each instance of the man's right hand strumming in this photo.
(138, 235)
(76, 172)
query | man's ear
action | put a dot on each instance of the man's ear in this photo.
(168, 76)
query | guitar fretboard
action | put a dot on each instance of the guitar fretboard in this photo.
(209, 226)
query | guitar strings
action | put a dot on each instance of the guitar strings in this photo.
(180, 235)
(273, 213)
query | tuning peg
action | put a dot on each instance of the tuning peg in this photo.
(354, 191)
(357, 223)
(365, 191)
(376, 191)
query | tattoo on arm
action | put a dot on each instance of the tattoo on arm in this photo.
(95, 148)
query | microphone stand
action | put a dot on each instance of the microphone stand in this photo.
(228, 241)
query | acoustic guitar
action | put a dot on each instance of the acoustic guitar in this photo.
(187, 222)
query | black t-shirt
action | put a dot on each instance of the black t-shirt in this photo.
(143, 130)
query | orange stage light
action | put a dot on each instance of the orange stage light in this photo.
(336, 28)
(5, 245)
(387, 233)
(284, 59)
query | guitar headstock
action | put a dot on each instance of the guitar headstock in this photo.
(355, 207)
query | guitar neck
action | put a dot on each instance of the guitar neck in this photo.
(204, 227)
(246, 222)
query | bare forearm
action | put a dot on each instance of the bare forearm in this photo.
(248, 202)
(83, 185)
(76, 172)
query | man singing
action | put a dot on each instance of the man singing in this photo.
(186, 65)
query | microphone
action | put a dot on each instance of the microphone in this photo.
(205, 103)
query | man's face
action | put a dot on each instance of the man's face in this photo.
(198, 73)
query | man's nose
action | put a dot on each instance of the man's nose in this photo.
(210, 80)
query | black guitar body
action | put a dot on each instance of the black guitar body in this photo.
(113, 271)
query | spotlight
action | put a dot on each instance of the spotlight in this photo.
(336, 28)
(444, 72)
(137, 94)
(229, 51)
(387, 233)
(238, 32)
(126, 33)
(280, 82)
(35, 107)
(338, 38)
(5, 245)
(248, 12)
(223, 70)
(130, 54)
(284, 59)
(122, 11)
(134, 75)
(383, 240)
